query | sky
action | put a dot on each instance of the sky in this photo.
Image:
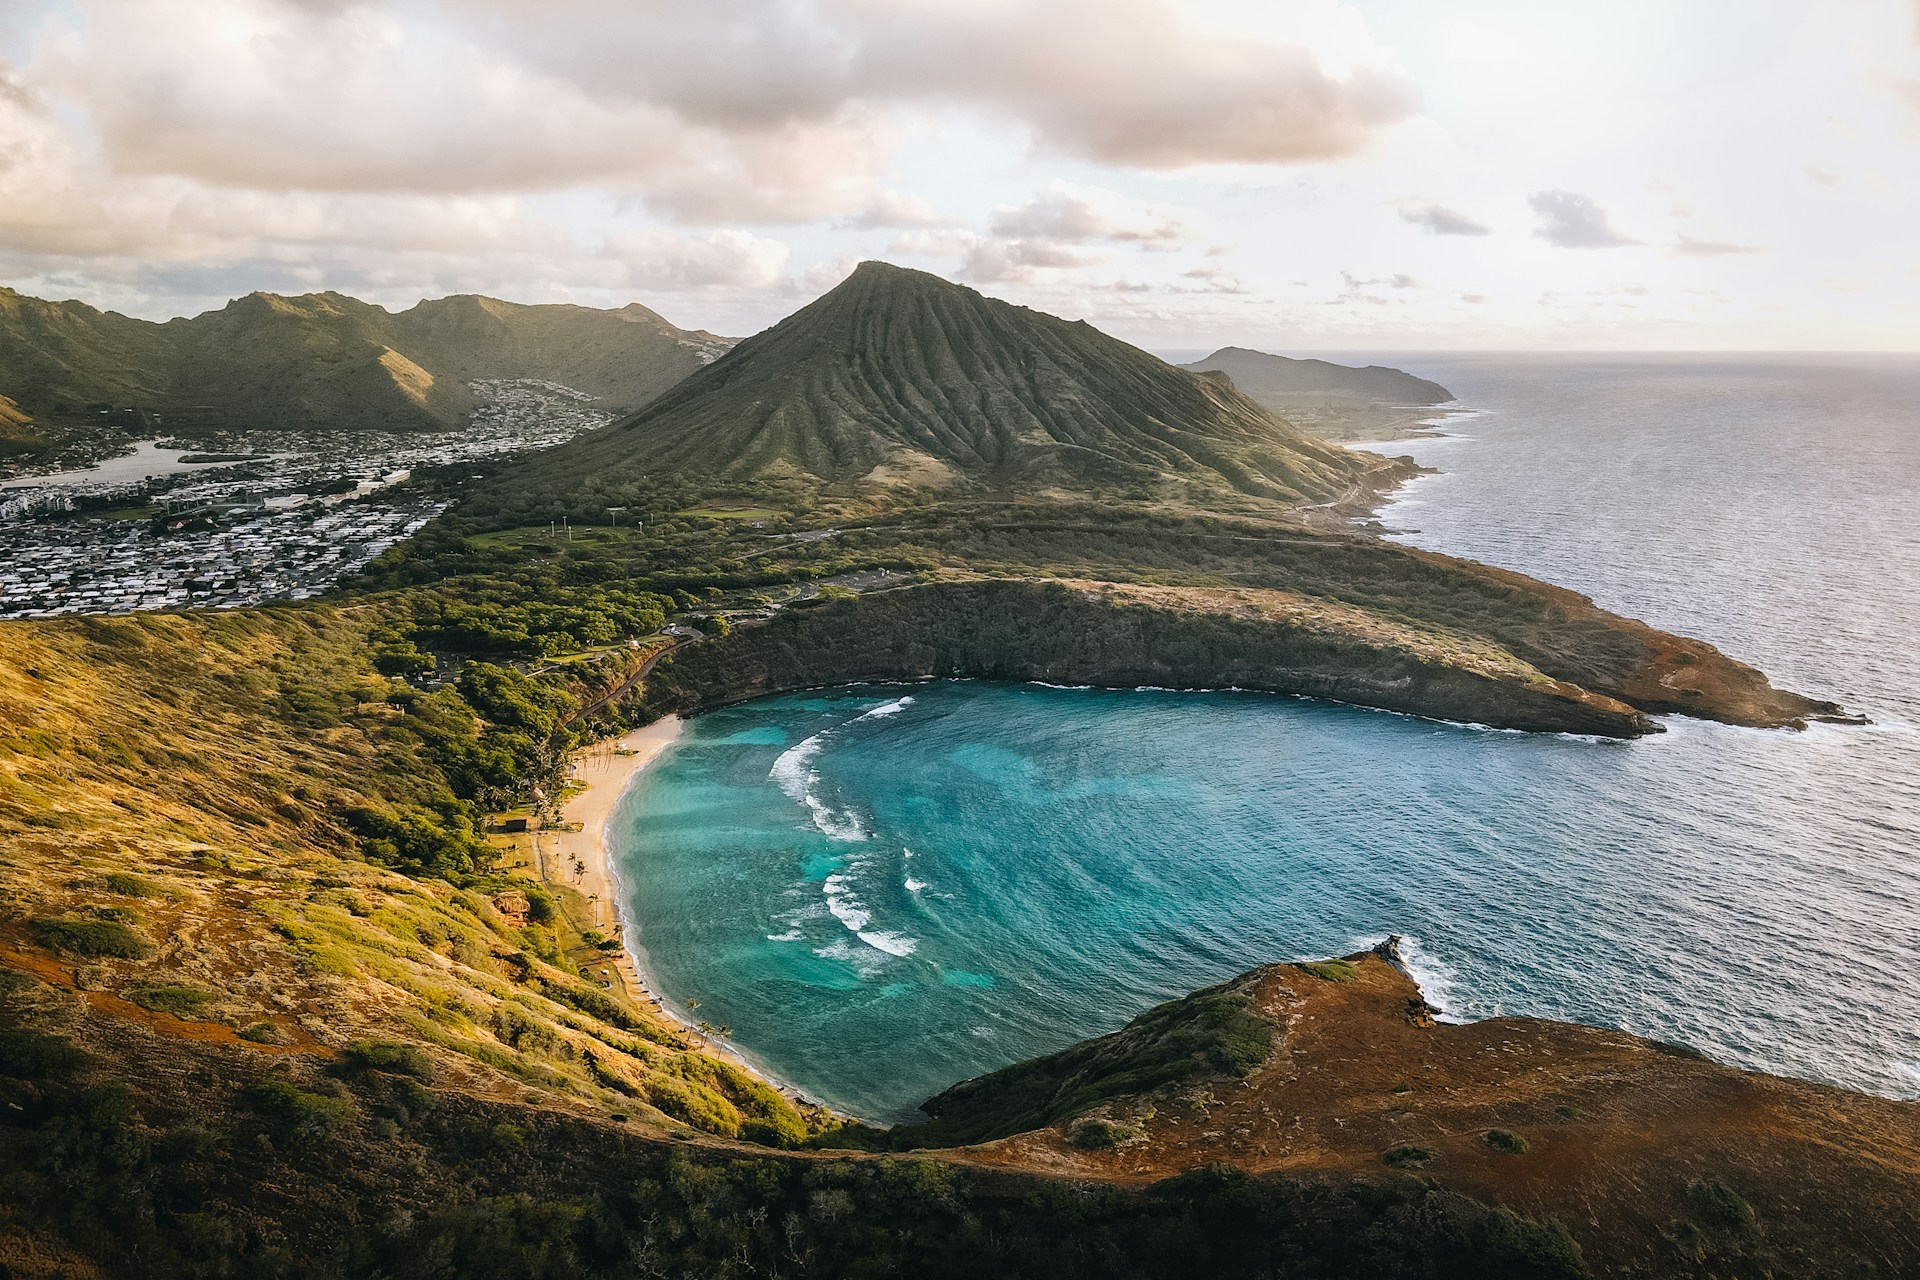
(1284, 174)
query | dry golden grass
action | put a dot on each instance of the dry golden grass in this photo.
(181, 776)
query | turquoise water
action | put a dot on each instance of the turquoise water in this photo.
(883, 890)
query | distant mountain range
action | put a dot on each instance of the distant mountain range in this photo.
(325, 361)
(1281, 383)
(899, 377)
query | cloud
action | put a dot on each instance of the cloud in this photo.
(728, 110)
(1442, 221)
(1391, 282)
(1214, 280)
(993, 261)
(892, 210)
(1142, 83)
(1693, 248)
(399, 146)
(1573, 221)
(357, 98)
(1066, 213)
(664, 262)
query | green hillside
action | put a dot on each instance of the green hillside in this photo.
(327, 361)
(898, 378)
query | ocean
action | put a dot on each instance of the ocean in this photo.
(881, 891)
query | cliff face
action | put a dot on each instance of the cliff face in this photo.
(1099, 634)
(1275, 641)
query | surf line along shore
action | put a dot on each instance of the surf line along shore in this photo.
(576, 857)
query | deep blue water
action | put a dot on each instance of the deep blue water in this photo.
(882, 891)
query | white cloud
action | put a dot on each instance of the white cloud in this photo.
(892, 209)
(1442, 221)
(664, 262)
(991, 261)
(1693, 248)
(1145, 83)
(1070, 214)
(1570, 220)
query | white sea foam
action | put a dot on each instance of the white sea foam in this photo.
(885, 709)
(915, 886)
(791, 935)
(795, 775)
(846, 908)
(850, 911)
(1436, 979)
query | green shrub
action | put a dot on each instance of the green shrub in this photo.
(1331, 970)
(181, 1002)
(74, 935)
(1505, 1140)
(1401, 1157)
(390, 1056)
(1717, 1204)
(263, 1033)
(130, 886)
(295, 1114)
(29, 1055)
(1099, 1135)
(1503, 1243)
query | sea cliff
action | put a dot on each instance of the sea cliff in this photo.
(1128, 635)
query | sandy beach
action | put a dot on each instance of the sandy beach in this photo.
(579, 859)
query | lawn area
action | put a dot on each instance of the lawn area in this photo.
(722, 511)
(130, 513)
(536, 535)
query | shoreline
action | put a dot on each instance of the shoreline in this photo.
(578, 859)
(605, 771)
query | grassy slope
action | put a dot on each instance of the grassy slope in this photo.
(213, 757)
(17, 432)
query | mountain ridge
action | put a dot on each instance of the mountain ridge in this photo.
(322, 361)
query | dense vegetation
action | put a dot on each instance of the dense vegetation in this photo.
(360, 1172)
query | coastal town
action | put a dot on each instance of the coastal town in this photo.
(250, 519)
